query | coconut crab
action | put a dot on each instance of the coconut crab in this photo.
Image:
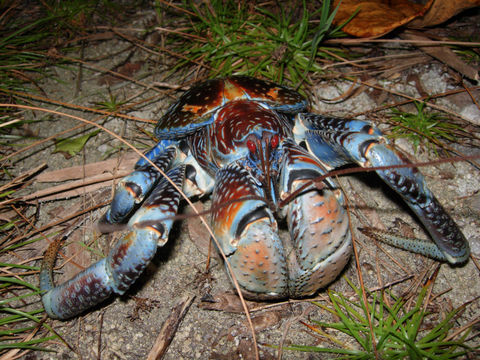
(253, 146)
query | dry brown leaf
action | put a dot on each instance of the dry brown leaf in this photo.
(404, 228)
(87, 178)
(127, 70)
(75, 188)
(377, 17)
(226, 301)
(198, 233)
(261, 322)
(22, 178)
(8, 216)
(126, 163)
(441, 11)
(244, 350)
(76, 251)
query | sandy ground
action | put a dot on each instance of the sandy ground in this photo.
(178, 269)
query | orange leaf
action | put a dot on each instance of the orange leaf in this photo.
(377, 17)
(441, 11)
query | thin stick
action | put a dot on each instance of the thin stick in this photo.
(169, 328)
(388, 41)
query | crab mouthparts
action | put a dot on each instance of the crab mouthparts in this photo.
(261, 151)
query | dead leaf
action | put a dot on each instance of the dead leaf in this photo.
(81, 257)
(403, 228)
(198, 233)
(129, 69)
(125, 163)
(377, 17)
(88, 178)
(21, 179)
(441, 11)
(473, 203)
(244, 350)
(225, 301)
(261, 322)
(125, 71)
(241, 332)
(8, 216)
(75, 188)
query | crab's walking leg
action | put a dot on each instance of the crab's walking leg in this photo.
(149, 228)
(133, 188)
(340, 141)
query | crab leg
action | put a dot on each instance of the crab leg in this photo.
(133, 188)
(341, 141)
(149, 228)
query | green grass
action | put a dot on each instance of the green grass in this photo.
(21, 61)
(19, 327)
(110, 103)
(399, 332)
(21, 313)
(28, 35)
(278, 43)
(423, 128)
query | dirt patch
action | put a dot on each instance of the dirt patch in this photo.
(125, 328)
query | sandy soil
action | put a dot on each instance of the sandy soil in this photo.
(178, 270)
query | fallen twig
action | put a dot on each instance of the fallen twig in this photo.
(169, 328)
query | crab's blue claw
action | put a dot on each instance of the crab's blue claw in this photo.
(340, 141)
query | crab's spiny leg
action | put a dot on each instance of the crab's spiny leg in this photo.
(418, 246)
(133, 188)
(149, 228)
(340, 141)
(155, 152)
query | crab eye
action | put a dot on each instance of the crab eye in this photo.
(251, 146)
(274, 141)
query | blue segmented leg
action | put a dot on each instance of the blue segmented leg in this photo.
(156, 151)
(341, 141)
(317, 222)
(133, 188)
(148, 229)
(418, 246)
